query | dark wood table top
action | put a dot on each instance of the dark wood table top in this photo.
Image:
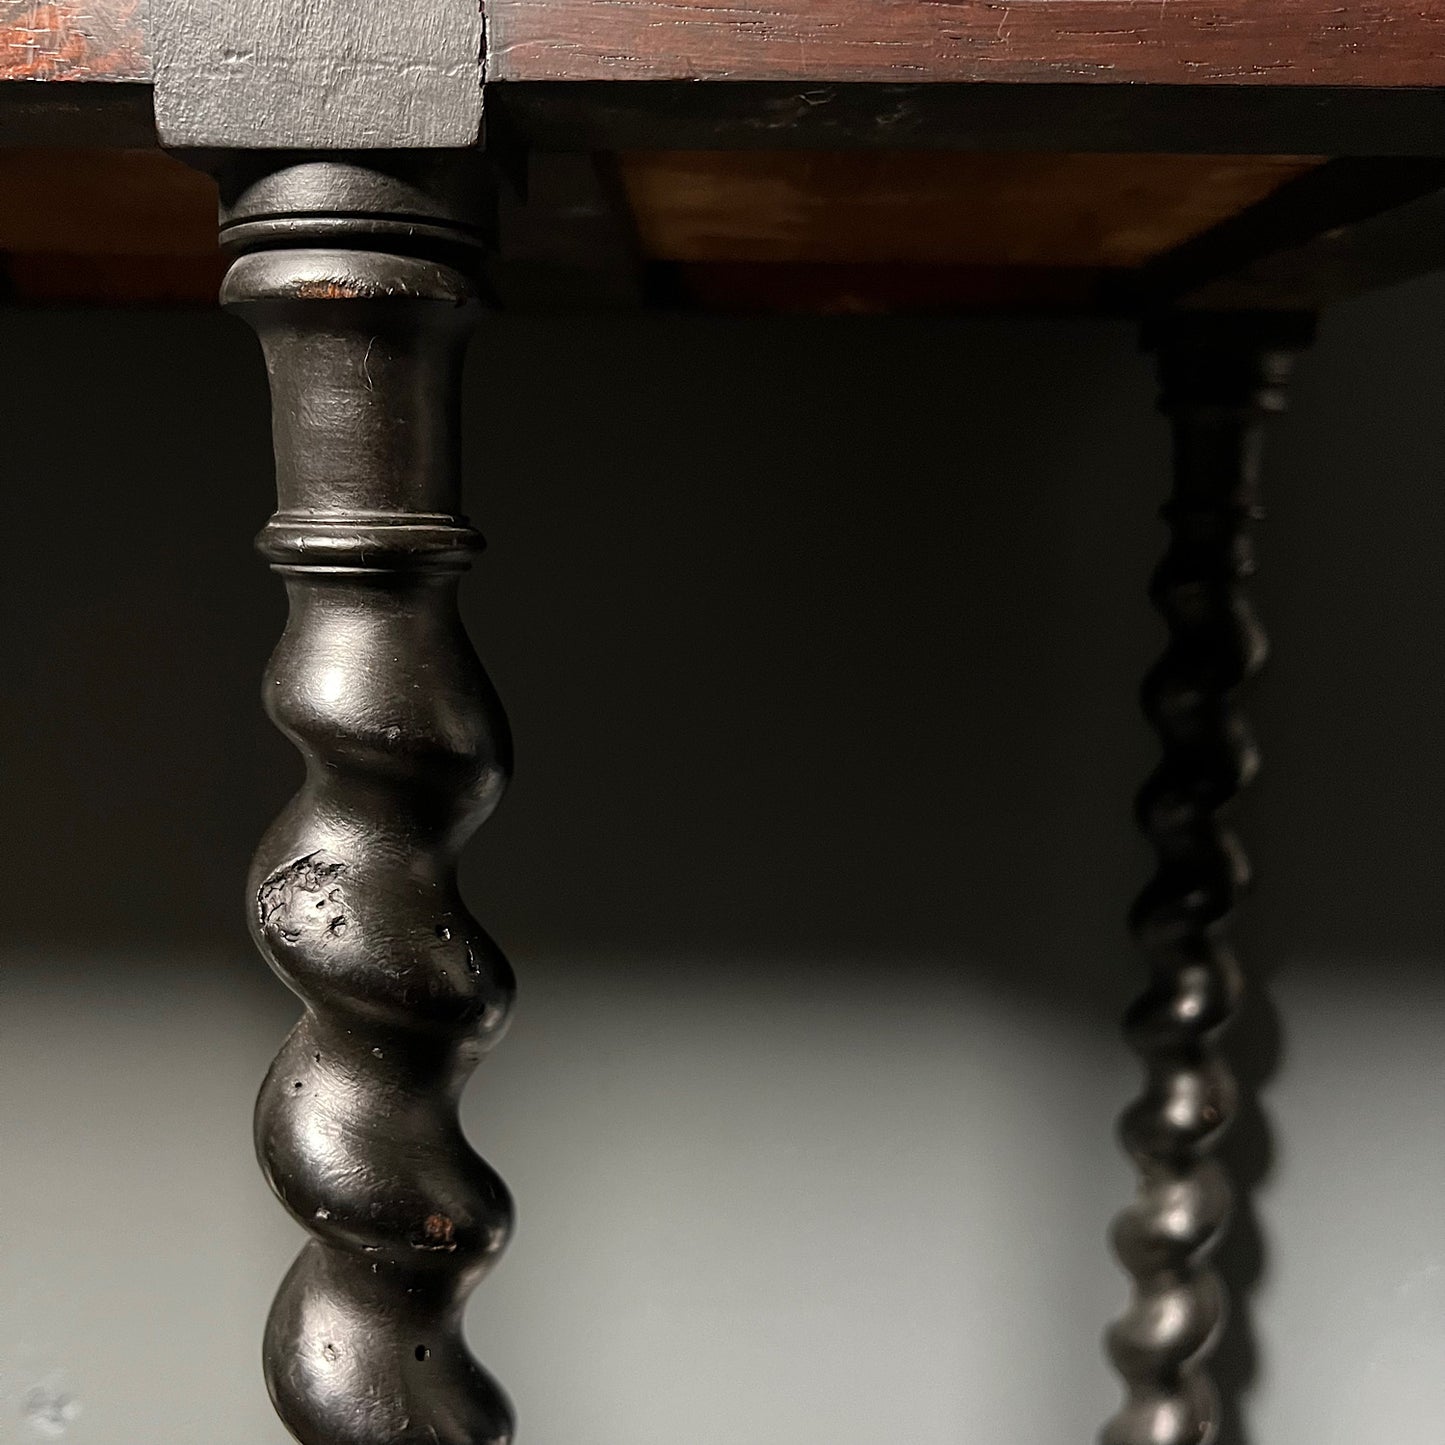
(1227, 42)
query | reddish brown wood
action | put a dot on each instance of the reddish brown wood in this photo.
(938, 208)
(1256, 42)
(1259, 42)
(72, 40)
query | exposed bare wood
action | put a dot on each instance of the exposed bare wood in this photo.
(935, 207)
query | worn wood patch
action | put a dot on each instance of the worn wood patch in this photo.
(935, 207)
(344, 74)
(72, 40)
(1255, 42)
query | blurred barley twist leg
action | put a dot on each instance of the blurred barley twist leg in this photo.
(358, 280)
(1221, 376)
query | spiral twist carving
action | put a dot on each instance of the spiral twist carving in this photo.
(353, 894)
(1219, 382)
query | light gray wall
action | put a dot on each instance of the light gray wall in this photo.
(821, 644)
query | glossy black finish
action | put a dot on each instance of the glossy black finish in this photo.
(353, 896)
(1221, 377)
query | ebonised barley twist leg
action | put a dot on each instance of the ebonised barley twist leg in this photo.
(356, 281)
(1221, 376)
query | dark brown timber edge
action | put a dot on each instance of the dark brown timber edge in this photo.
(1247, 119)
(73, 40)
(1274, 43)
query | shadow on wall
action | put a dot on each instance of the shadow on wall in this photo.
(820, 641)
(816, 637)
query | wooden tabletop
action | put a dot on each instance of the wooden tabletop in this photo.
(1227, 42)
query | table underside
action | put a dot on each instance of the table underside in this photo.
(792, 231)
(837, 156)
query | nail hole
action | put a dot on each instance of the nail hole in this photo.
(422, 1353)
(297, 1085)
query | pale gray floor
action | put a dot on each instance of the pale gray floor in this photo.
(813, 874)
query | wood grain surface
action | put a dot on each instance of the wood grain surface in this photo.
(1364, 43)
(98, 40)
(1233, 42)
